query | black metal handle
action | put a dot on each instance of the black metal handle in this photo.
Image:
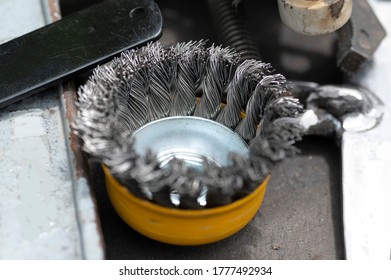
(51, 54)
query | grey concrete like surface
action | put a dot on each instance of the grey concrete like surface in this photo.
(46, 208)
(37, 219)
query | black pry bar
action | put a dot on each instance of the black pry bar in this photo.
(74, 44)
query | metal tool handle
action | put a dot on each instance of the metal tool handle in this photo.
(49, 55)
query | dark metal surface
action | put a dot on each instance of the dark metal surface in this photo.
(49, 55)
(359, 38)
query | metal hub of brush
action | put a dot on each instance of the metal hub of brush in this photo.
(187, 79)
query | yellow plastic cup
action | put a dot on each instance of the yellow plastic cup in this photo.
(182, 226)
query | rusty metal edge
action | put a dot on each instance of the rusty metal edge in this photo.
(86, 214)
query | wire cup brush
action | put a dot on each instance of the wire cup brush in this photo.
(161, 95)
(159, 81)
(241, 110)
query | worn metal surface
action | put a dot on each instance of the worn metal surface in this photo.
(46, 210)
(366, 157)
(85, 204)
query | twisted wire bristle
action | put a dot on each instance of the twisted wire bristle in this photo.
(246, 77)
(157, 81)
(218, 73)
(191, 66)
(269, 88)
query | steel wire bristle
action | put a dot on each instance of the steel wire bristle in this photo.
(269, 88)
(240, 89)
(191, 66)
(221, 65)
(161, 76)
